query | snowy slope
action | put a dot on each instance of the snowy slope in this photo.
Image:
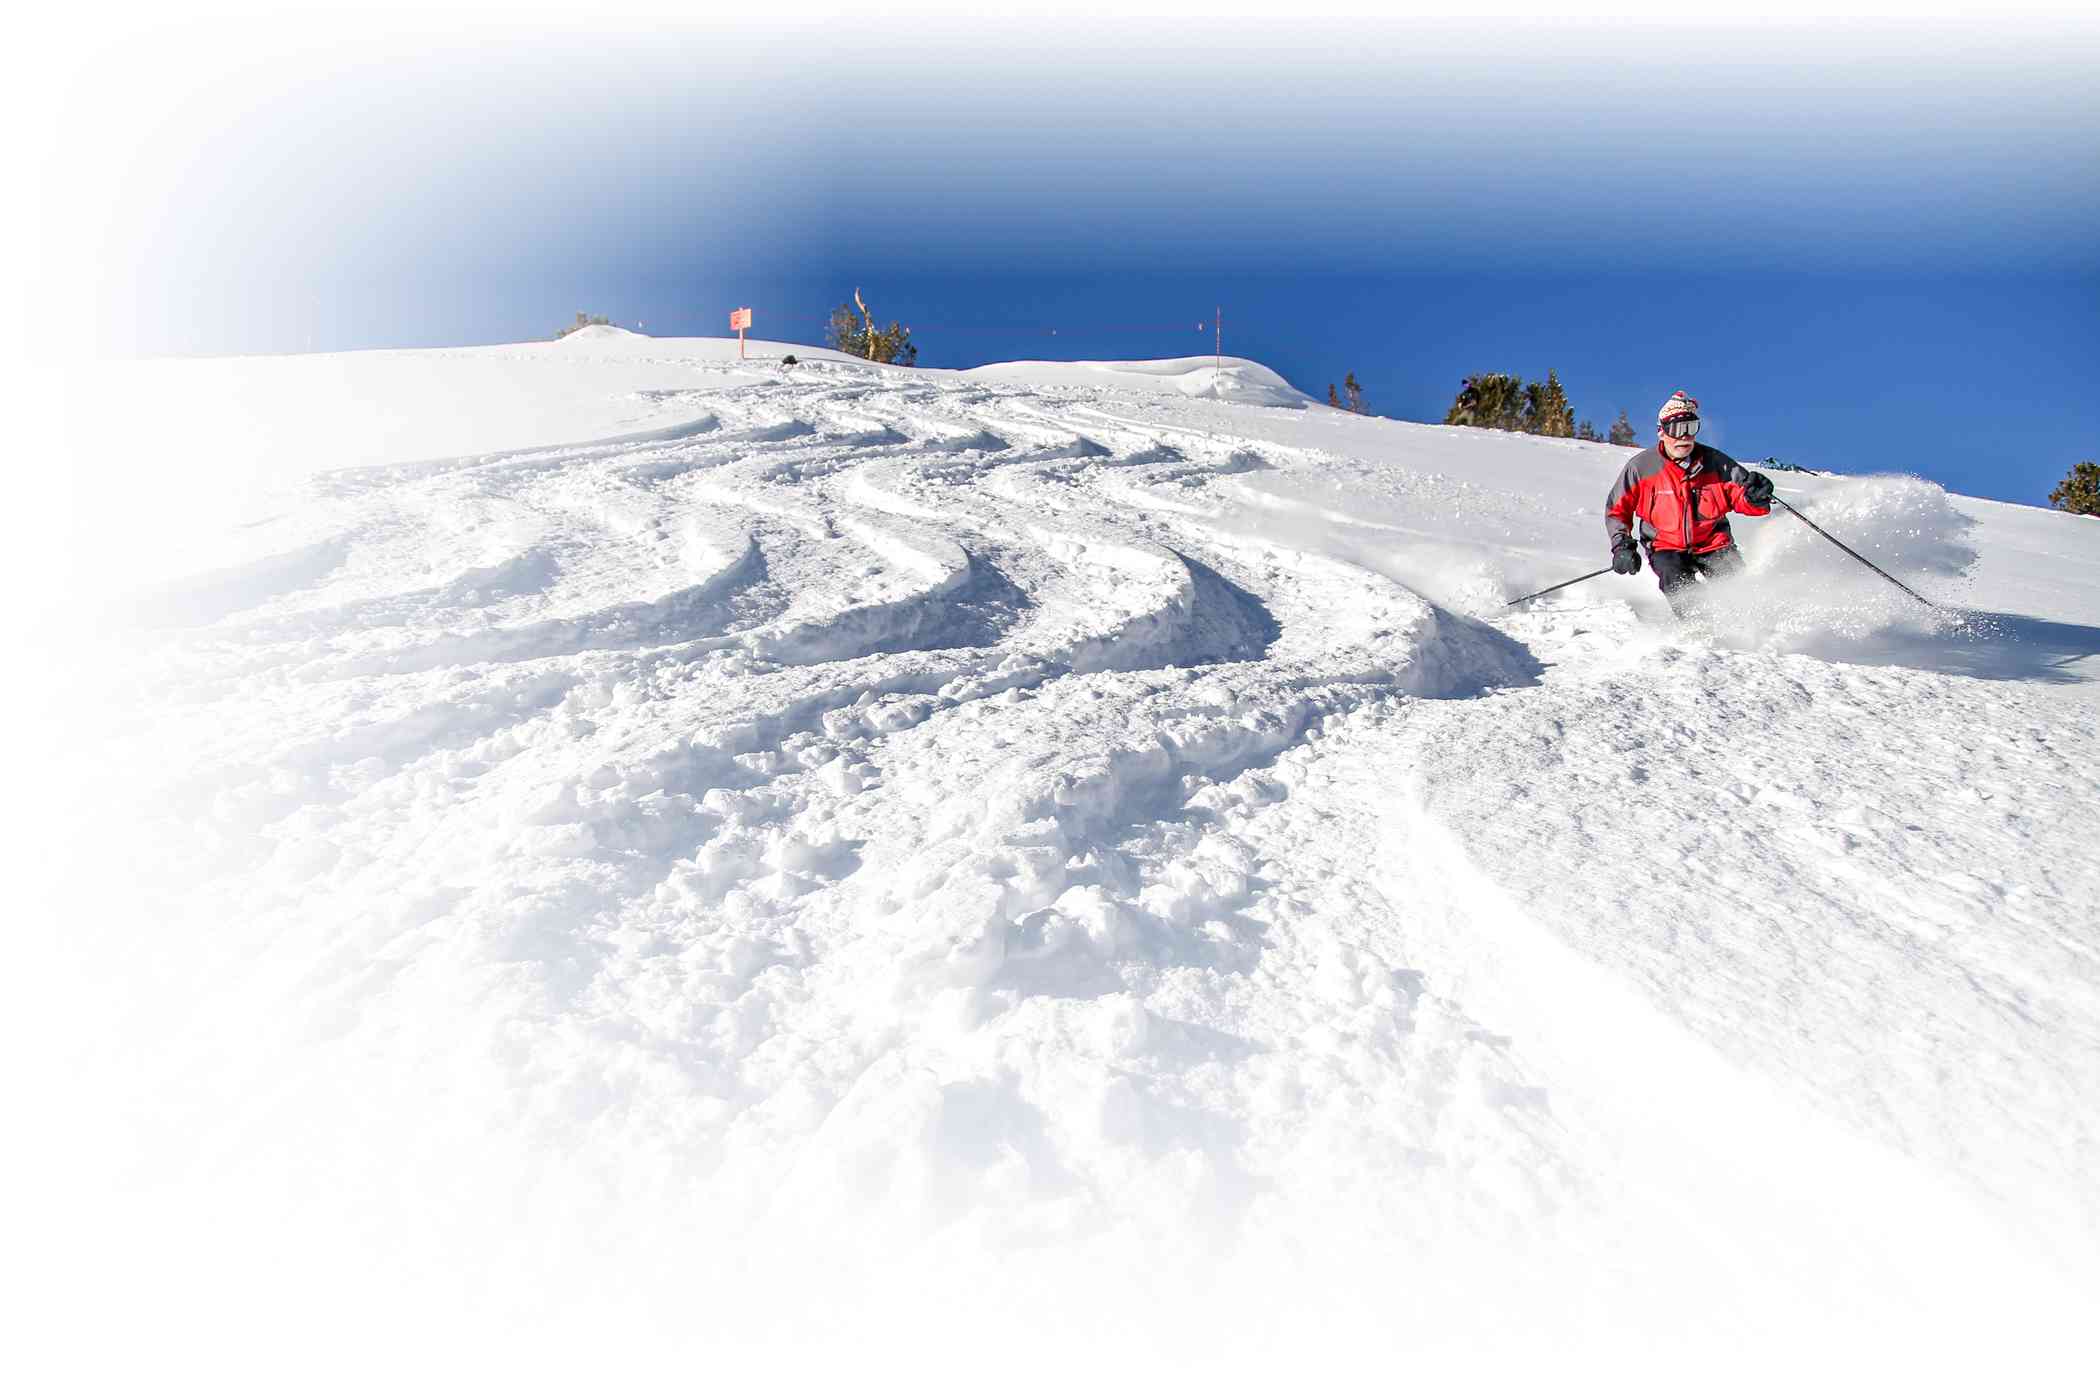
(599, 838)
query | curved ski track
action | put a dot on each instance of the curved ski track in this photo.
(837, 678)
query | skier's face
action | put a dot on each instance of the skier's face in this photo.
(1676, 449)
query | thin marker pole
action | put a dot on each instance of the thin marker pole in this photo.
(1556, 587)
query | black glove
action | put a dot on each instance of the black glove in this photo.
(1757, 489)
(1625, 558)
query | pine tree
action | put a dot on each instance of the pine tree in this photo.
(1556, 414)
(1508, 399)
(1332, 401)
(1622, 432)
(1355, 391)
(1488, 401)
(859, 335)
(1546, 409)
(1587, 431)
(2079, 491)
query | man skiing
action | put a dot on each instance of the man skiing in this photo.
(1682, 490)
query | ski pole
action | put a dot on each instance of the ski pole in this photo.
(1853, 552)
(1556, 587)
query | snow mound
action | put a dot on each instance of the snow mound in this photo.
(601, 335)
(1230, 380)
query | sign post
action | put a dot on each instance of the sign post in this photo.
(740, 321)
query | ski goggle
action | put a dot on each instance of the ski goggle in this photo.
(1681, 428)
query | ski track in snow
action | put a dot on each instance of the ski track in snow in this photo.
(947, 806)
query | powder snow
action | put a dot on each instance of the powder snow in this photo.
(535, 845)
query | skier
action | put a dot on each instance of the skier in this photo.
(1682, 490)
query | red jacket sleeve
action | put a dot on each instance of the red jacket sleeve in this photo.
(1740, 503)
(1734, 474)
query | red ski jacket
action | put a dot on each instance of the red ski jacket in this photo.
(1680, 507)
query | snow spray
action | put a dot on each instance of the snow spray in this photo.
(1797, 593)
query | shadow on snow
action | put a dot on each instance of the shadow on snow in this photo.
(1985, 646)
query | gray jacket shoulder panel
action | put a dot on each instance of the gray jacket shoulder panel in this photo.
(1645, 462)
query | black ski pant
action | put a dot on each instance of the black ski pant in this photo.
(1675, 569)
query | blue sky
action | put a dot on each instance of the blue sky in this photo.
(1864, 246)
